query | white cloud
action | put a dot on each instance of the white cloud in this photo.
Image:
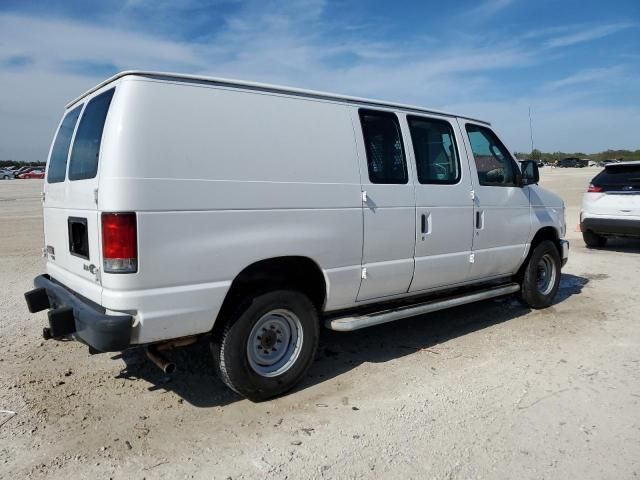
(587, 34)
(601, 75)
(487, 9)
(53, 42)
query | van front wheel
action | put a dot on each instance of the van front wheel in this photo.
(541, 277)
(267, 345)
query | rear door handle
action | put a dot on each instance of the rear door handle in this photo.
(479, 219)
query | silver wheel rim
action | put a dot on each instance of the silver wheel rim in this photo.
(545, 274)
(274, 343)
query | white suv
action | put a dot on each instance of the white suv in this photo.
(611, 205)
(180, 207)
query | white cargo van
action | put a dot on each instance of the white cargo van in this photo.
(177, 207)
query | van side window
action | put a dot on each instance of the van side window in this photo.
(60, 151)
(383, 142)
(494, 164)
(86, 146)
(435, 150)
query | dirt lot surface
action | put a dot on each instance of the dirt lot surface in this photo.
(490, 390)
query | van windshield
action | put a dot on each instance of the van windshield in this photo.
(86, 146)
(60, 151)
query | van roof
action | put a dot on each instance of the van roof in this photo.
(226, 82)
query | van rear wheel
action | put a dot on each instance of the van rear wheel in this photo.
(267, 345)
(541, 277)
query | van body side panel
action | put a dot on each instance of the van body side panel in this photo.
(220, 179)
(547, 211)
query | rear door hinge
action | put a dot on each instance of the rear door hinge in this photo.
(364, 196)
(472, 194)
(95, 195)
(472, 258)
(364, 273)
(43, 196)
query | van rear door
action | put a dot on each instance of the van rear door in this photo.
(71, 220)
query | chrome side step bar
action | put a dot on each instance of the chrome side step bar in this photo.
(350, 323)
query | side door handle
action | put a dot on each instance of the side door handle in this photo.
(479, 219)
(425, 224)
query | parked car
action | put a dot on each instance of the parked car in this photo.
(34, 173)
(20, 170)
(611, 205)
(299, 209)
(572, 162)
(6, 174)
(610, 161)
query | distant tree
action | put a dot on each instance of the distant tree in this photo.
(536, 155)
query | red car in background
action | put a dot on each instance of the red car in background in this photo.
(35, 173)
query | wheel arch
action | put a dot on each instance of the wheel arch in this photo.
(296, 272)
(543, 233)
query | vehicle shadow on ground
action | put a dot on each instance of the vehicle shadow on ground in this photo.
(196, 381)
(621, 245)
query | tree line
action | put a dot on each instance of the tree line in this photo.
(9, 163)
(623, 155)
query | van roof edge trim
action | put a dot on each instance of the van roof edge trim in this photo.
(268, 88)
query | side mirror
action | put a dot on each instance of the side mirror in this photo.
(530, 173)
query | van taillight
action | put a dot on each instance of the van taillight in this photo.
(119, 243)
(594, 188)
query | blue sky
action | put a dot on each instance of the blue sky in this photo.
(575, 63)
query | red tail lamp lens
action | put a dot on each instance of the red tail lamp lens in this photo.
(120, 242)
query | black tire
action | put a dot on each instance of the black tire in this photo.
(231, 349)
(593, 240)
(536, 290)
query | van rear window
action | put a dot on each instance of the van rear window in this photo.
(86, 146)
(60, 152)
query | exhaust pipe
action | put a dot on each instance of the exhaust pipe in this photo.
(160, 360)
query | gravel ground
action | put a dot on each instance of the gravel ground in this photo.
(490, 390)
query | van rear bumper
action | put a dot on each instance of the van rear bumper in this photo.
(71, 315)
